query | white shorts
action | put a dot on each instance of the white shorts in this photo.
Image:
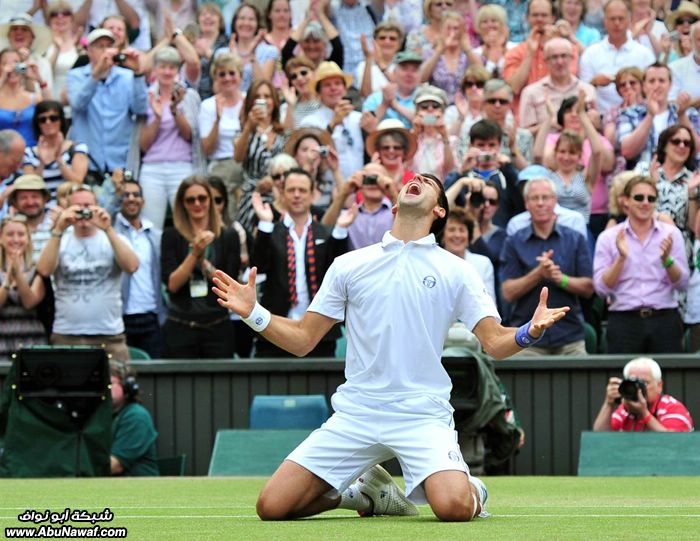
(419, 432)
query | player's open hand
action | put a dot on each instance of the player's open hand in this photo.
(239, 298)
(544, 317)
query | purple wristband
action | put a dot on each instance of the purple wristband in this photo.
(523, 337)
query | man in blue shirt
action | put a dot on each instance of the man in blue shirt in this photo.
(105, 96)
(396, 99)
(547, 254)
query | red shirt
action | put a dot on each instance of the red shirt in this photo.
(667, 410)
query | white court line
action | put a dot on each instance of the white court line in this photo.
(62, 505)
(496, 516)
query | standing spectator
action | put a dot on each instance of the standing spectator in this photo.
(547, 254)
(353, 19)
(422, 40)
(55, 158)
(408, 14)
(219, 122)
(338, 116)
(492, 25)
(196, 326)
(300, 97)
(393, 146)
(640, 264)
(132, 14)
(104, 98)
(21, 288)
(143, 302)
(686, 71)
(86, 257)
(16, 104)
(516, 17)
(628, 83)
(601, 61)
(170, 139)
(571, 25)
(315, 35)
(644, 26)
(469, 102)
(374, 215)
(434, 152)
(31, 41)
(279, 23)
(211, 38)
(371, 74)
(63, 52)
(261, 139)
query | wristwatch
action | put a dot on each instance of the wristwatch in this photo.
(176, 33)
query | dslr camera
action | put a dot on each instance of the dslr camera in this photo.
(629, 387)
(84, 214)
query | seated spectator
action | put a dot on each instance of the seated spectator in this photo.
(628, 83)
(422, 40)
(104, 97)
(131, 16)
(197, 327)
(648, 410)
(407, 13)
(444, 64)
(187, 62)
(258, 56)
(547, 254)
(396, 99)
(315, 36)
(21, 289)
(469, 101)
(338, 116)
(211, 38)
(393, 146)
(118, 25)
(63, 52)
(639, 126)
(492, 25)
(571, 26)
(436, 150)
(456, 238)
(17, 105)
(271, 186)
(353, 19)
(680, 20)
(55, 157)
(488, 238)
(686, 70)
(86, 257)
(645, 27)
(372, 74)
(133, 434)
(516, 18)
(279, 23)
(299, 96)
(617, 202)
(12, 148)
(31, 41)
(640, 264)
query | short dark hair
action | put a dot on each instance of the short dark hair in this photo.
(460, 215)
(439, 223)
(217, 183)
(664, 139)
(298, 171)
(484, 129)
(639, 179)
(47, 106)
(566, 105)
(661, 65)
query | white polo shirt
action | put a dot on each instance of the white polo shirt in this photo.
(685, 76)
(398, 301)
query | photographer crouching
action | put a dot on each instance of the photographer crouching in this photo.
(637, 403)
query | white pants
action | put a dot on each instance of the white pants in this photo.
(419, 432)
(159, 183)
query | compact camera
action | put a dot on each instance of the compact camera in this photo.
(369, 180)
(20, 67)
(323, 151)
(484, 157)
(84, 214)
(629, 387)
(119, 58)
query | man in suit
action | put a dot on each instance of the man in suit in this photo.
(295, 254)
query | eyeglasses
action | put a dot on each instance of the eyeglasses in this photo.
(678, 142)
(131, 195)
(389, 148)
(474, 84)
(192, 199)
(277, 176)
(630, 83)
(64, 13)
(685, 20)
(48, 118)
(300, 73)
(218, 200)
(493, 201)
(443, 4)
(230, 73)
(563, 56)
(498, 101)
(640, 197)
(429, 105)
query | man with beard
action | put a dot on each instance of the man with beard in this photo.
(29, 196)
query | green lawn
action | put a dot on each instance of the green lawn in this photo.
(522, 508)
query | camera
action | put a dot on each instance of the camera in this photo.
(429, 120)
(84, 214)
(629, 387)
(128, 175)
(20, 67)
(476, 199)
(369, 180)
(484, 157)
(323, 151)
(119, 58)
(262, 104)
(674, 36)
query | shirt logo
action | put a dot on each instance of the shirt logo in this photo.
(454, 456)
(429, 281)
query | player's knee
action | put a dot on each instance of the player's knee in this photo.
(454, 510)
(270, 508)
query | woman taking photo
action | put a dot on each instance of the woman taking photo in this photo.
(261, 139)
(211, 38)
(393, 146)
(434, 153)
(197, 245)
(54, 157)
(21, 288)
(16, 104)
(169, 140)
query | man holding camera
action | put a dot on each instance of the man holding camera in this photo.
(105, 96)
(86, 257)
(637, 403)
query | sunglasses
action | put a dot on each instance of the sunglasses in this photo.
(222, 74)
(278, 176)
(131, 195)
(64, 13)
(48, 118)
(640, 197)
(387, 38)
(474, 84)
(499, 101)
(493, 201)
(429, 105)
(201, 199)
(678, 142)
(443, 4)
(300, 73)
(389, 148)
(625, 84)
(684, 20)
(218, 200)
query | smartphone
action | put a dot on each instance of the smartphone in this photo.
(262, 104)
(429, 120)
(675, 36)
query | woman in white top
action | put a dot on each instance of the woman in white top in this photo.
(492, 25)
(374, 72)
(63, 51)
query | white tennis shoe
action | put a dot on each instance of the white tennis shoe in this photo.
(387, 497)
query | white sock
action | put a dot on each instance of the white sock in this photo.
(480, 488)
(352, 498)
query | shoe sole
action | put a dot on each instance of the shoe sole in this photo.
(385, 478)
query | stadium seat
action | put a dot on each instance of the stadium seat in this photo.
(288, 411)
(137, 354)
(173, 466)
(591, 339)
(252, 452)
(639, 453)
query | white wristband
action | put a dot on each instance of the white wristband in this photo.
(259, 318)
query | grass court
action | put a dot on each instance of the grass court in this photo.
(193, 508)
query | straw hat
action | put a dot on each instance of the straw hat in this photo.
(29, 182)
(326, 70)
(297, 135)
(391, 125)
(42, 33)
(684, 8)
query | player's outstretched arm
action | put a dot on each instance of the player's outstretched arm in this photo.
(500, 342)
(296, 337)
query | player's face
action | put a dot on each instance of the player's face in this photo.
(420, 192)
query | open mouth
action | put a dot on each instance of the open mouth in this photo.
(414, 188)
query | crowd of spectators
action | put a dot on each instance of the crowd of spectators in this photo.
(145, 144)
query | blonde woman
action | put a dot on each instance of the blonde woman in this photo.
(492, 25)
